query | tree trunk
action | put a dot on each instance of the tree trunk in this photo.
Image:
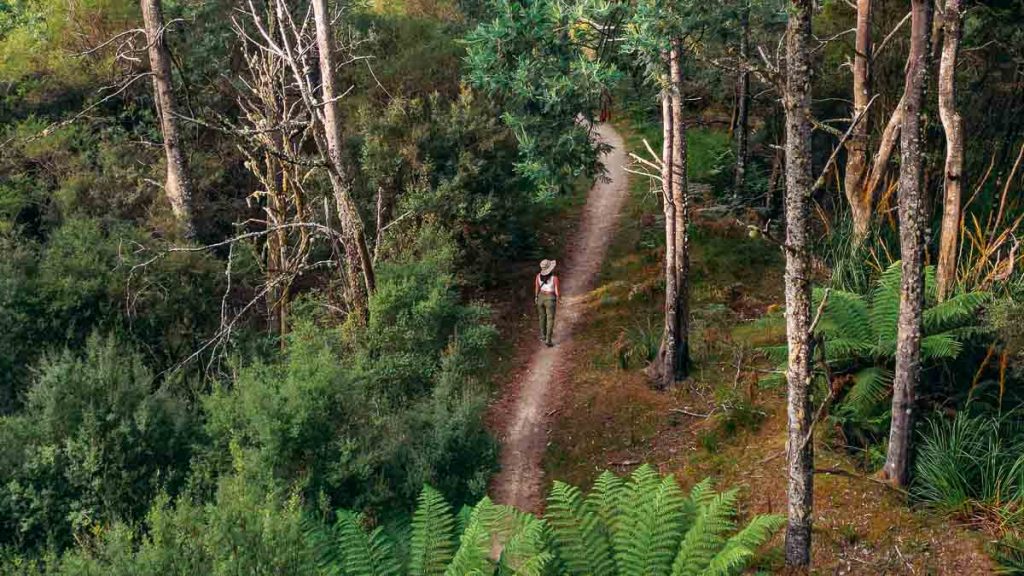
(857, 144)
(911, 214)
(662, 370)
(886, 146)
(360, 266)
(177, 185)
(680, 201)
(800, 456)
(952, 123)
(739, 182)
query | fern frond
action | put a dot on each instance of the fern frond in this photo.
(362, 553)
(474, 546)
(321, 541)
(652, 525)
(605, 501)
(525, 553)
(871, 386)
(847, 317)
(432, 545)
(954, 312)
(940, 347)
(581, 543)
(885, 304)
(741, 547)
(703, 492)
(705, 538)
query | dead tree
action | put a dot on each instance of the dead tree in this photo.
(860, 199)
(672, 361)
(912, 219)
(177, 184)
(275, 131)
(799, 182)
(952, 123)
(304, 45)
(357, 253)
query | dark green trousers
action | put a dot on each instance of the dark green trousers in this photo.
(546, 304)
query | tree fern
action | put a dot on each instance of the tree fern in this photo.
(432, 545)
(871, 387)
(860, 333)
(706, 538)
(652, 524)
(577, 533)
(474, 545)
(640, 526)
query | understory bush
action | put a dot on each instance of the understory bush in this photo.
(643, 524)
(95, 443)
(364, 416)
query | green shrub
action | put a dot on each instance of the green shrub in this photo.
(95, 442)
(367, 417)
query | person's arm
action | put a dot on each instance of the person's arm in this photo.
(536, 287)
(558, 294)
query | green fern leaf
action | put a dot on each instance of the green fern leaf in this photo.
(953, 313)
(885, 305)
(432, 545)
(524, 553)
(706, 537)
(741, 547)
(652, 525)
(940, 347)
(474, 546)
(846, 316)
(582, 545)
(871, 386)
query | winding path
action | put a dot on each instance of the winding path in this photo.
(519, 483)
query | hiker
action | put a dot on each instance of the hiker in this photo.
(546, 295)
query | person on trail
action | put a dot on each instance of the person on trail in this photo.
(546, 295)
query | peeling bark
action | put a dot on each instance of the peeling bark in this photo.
(857, 145)
(912, 221)
(799, 454)
(952, 123)
(177, 185)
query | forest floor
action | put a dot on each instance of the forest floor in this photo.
(585, 406)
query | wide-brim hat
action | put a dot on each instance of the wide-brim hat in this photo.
(546, 266)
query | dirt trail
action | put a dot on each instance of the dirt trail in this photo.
(532, 403)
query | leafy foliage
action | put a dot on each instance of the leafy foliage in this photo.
(94, 444)
(367, 417)
(641, 525)
(858, 333)
(537, 60)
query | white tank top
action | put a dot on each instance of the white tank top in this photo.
(549, 286)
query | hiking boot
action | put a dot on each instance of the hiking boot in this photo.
(549, 343)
